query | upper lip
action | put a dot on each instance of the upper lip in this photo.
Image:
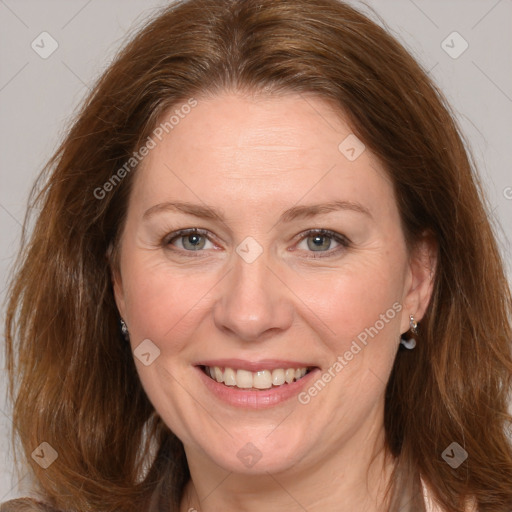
(254, 366)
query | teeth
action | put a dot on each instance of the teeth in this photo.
(277, 377)
(229, 377)
(219, 377)
(262, 379)
(243, 379)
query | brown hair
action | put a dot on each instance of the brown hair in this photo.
(72, 378)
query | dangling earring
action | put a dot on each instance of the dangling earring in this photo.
(124, 330)
(413, 327)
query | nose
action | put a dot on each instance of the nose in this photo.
(254, 302)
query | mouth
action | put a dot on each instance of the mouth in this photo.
(259, 380)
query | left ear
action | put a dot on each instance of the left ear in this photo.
(420, 280)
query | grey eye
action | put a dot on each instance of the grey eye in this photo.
(193, 241)
(190, 240)
(322, 242)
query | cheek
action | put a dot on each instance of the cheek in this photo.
(163, 301)
(353, 299)
(357, 311)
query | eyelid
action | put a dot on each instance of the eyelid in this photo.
(182, 232)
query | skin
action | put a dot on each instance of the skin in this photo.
(252, 158)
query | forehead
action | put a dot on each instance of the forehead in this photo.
(264, 127)
(260, 151)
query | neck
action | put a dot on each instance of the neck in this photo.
(353, 477)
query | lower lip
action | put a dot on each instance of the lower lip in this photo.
(256, 399)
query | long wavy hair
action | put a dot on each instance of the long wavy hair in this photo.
(72, 379)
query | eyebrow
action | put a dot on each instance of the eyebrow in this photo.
(294, 213)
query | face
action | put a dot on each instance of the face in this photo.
(261, 244)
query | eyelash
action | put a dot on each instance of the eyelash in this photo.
(341, 239)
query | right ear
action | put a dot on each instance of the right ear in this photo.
(115, 276)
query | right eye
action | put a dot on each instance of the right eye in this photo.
(191, 240)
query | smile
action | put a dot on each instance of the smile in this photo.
(258, 380)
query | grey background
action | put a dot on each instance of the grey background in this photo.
(39, 96)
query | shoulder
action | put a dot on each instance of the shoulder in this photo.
(24, 505)
(432, 506)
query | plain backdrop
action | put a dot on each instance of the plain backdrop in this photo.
(39, 96)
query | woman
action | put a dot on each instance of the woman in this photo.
(173, 341)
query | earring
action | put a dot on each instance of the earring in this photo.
(124, 330)
(413, 327)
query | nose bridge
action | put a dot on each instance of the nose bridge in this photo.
(253, 300)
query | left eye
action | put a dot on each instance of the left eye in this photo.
(321, 240)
